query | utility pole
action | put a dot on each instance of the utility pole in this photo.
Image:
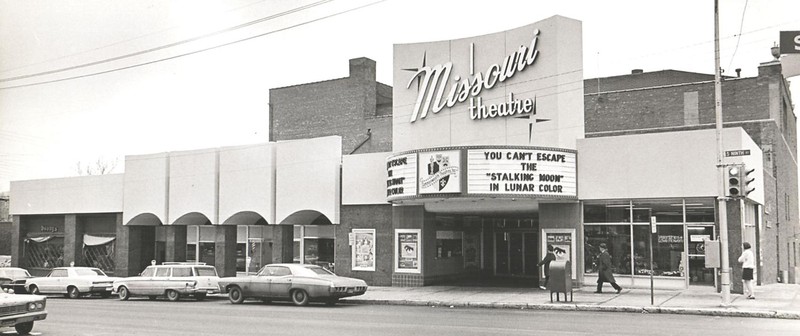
(725, 271)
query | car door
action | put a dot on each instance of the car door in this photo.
(138, 285)
(53, 282)
(160, 282)
(259, 286)
(280, 282)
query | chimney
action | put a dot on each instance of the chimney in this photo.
(362, 68)
(637, 71)
(738, 72)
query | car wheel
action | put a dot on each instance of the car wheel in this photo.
(123, 292)
(24, 328)
(152, 297)
(73, 292)
(299, 297)
(33, 290)
(235, 295)
(200, 296)
(332, 302)
(172, 295)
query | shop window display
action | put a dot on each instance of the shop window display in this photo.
(667, 250)
(607, 212)
(617, 239)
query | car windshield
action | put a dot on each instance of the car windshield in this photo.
(88, 272)
(206, 271)
(17, 273)
(313, 271)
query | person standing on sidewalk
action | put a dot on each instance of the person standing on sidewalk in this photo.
(748, 262)
(604, 270)
(546, 263)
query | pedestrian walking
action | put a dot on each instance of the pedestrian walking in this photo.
(546, 263)
(748, 261)
(605, 270)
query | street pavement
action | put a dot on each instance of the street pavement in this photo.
(772, 301)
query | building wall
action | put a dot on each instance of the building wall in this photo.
(378, 217)
(146, 189)
(193, 187)
(364, 178)
(83, 194)
(247, 184)
(651, 102)
(357, 108)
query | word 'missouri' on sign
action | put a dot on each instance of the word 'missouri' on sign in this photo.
(520, 171)
(401, 179)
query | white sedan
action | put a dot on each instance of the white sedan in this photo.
(74, 282)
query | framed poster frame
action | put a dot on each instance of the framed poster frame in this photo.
(554, 233)
(362, 251)
(408, 251)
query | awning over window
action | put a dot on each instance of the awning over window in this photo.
(90, 240)
(40, 239)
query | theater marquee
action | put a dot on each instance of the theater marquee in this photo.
(536, 172)
(510, 171)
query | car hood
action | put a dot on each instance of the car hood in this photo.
(11, 299)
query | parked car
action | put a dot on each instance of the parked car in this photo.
(20, 311)
(15, 279)
(300, 283)
(74, 282)
(171, 280)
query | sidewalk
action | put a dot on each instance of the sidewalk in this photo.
(772, 301)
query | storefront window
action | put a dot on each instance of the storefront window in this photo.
(616, 237)
(449, 244)
(700, 210)
(607, 212)
(665, 210)
(667, 250)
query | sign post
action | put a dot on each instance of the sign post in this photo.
(653, 230)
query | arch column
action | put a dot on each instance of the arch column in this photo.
(175, 243)
(225, 250)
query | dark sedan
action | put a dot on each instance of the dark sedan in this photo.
(299, 283)
(14, 278)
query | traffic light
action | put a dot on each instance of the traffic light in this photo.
(737, 179)
(733, 176)
(747, 179)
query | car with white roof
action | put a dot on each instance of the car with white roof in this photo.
(171, 280)
(73, 282)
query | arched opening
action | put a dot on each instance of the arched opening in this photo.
(314, 238)
(253, 241)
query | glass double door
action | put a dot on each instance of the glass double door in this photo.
(516, 254)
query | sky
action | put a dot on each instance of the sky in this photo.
(97, 79)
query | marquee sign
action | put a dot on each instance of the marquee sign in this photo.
(401, 177)
(512, 171)
(439, 172)
(518, 87)
(432, 85)
(538, 172)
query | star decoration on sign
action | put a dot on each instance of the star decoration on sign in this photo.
(530, 116)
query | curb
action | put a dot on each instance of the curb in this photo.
(789, 315)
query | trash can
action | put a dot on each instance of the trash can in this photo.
(560, 279)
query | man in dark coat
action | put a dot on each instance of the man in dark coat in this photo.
(604, 270)
(546, 262)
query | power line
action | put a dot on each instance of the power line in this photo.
(117, 43)
(193, 52)
(229, 29)
(739, 36)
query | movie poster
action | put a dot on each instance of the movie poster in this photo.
(563, 242)
(407, 253)
(363, 250)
